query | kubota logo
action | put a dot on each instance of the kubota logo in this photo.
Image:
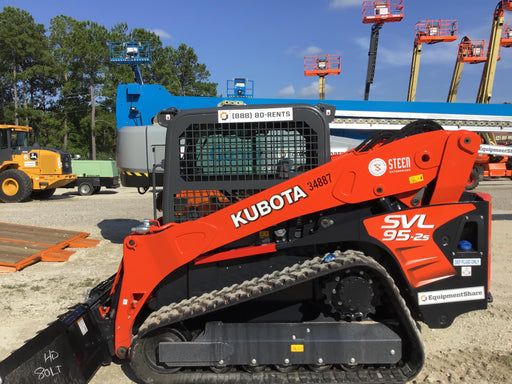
(266, 207)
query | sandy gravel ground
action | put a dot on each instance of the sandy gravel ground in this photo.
(476, 349)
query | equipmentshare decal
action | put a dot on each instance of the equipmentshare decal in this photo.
(451, 295)
(265, 207)
(252, 115)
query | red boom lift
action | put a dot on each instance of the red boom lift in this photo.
(321, 66)
(472, 52)
(492, 164)
(378, 12)
(429, 32)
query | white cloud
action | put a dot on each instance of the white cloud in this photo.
(395, 57)
(288, 91)
(161, 33)
(362, 42)
(431, 54)
(309, 51)
(442, 53)
(344, 3)
(312, 90)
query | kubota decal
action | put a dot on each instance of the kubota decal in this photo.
(266, 207)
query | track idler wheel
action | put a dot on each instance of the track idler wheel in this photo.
(349, 367)
(220, 368)
(320, 367)
(286, 368)
(144, 359)
(253, 368)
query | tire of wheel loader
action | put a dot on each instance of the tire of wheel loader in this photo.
(43, 194)
(473, 180)
(15, 186)
(85, 188)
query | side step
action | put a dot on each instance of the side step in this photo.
(286, 343)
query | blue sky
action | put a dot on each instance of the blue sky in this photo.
(266, 41)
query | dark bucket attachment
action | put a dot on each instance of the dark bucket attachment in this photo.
(69, 351)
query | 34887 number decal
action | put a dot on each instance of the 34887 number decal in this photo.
(319, 182)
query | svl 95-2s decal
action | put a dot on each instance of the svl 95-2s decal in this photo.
(399, 227)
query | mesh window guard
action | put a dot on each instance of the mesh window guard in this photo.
(213, 164)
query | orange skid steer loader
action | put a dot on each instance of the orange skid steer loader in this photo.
(310, 270)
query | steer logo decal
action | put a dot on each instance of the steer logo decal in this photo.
(266, 207)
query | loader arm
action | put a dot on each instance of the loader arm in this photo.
(431, 168)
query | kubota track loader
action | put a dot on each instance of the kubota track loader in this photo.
(303, 269)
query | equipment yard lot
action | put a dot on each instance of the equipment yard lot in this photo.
(476, 349)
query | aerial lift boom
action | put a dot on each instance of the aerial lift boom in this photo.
(471, 52)
(415, 67)
(132, 53)
(429, 32)
(321, 66)
(378, 12)
(372, 58)
(487, 81)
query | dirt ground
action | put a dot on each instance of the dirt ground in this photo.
(476, 349)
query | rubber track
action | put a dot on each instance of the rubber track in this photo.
(270, 283)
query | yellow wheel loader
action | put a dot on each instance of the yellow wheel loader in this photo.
(30, 171)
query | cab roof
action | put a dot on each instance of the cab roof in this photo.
(21, 128)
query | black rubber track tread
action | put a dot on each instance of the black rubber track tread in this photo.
(276, 281)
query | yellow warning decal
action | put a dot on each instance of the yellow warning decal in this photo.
(138, 174)
(297, 348)
(416, 179)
